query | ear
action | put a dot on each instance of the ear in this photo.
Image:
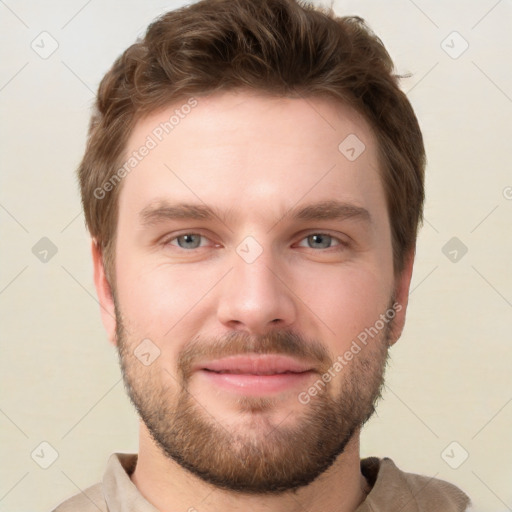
(104, 293)
(402, 285)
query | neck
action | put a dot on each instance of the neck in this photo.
(169, 487)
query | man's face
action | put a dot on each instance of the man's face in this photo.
(247, 307)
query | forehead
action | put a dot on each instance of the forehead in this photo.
(243, 149)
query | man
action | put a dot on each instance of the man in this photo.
(253, 185)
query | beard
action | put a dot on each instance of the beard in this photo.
(257, 456)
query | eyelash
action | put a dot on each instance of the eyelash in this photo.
(342, 244)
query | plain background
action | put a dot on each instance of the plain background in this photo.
(450, 377)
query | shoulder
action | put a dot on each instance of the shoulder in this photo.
(416, 492)
(90, 500)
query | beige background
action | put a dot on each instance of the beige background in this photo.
(450, 377)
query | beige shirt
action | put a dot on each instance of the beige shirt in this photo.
(391, 490)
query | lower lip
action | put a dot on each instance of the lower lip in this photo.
(247, 384)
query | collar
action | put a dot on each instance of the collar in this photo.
(391, 489)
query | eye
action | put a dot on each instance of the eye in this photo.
(187, 241)
(322, 241)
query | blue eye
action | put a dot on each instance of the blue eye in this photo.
(188, 241)
(321, 241)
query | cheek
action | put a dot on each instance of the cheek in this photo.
(346, 300)
(163, 300)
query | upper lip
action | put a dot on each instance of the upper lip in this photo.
(257, 364)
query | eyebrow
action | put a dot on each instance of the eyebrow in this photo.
(161, 211)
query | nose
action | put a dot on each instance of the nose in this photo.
(257, 296)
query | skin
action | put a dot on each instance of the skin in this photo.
(255, 158)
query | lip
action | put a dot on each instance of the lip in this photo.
(264, 364)
(255, 375)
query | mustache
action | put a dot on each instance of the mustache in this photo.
(287, 343)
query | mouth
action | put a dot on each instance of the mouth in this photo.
(255, 364)
(255, 374)
(238, 371)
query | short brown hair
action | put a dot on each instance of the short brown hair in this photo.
(281, 47)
